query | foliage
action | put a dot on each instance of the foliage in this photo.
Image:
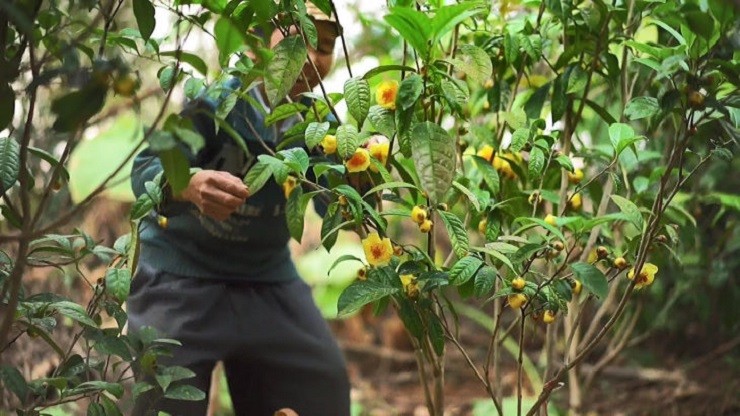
(538, 147)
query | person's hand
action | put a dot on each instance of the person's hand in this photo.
(216, 194)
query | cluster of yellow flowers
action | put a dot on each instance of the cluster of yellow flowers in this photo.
(379, 252)
(501, 163)
(419, 215)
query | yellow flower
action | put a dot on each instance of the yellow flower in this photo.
(552, 220)
(517, 300)
(620, 263)
(426, 226)
(503, 166)
(162, 221)
(575, 177)
(377, 251)
(482, 225)
(288, 186)
(329, 144)
(646, 276)
(359, 161)
(385, 95)
(486, 152)
(380, 152)
(518, 283)
(576, 202)
(577, 287)
(488, 84)
(410, 285)
(548, 317)
(418, 214)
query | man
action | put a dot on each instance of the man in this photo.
(219, 278)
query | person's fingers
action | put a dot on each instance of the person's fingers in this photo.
(217, 196)
(233, 185)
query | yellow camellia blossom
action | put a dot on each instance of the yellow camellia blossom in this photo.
(289, 185)
(418, 214)
(426, 226)
(329, 144)
(518, 283)
(359, 162)
(575, 177)
(646, 276)
(577, 287)
(410, 285)
(552, 220)
(386, 93)
(378, 251)
(380, 152)
(548, 317)
(576, 202)
(486, 152)
(517, 300)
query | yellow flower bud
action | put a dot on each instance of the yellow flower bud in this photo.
(548, 317)
(518, 283)
(289, 185)
(162, 221)
(575, 177)
(426, 226)
(620, 263)
(552, 220)
(516, 300)
(418, 214)
(577, 287)
(329, 144)
(576, 202)
(482, 225)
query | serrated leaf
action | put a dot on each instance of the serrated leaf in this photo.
(629, 209)
(228, 38)
(185, 392)
(74, 312)
(383, 120)
(296, 159)
(9, 162)
(115, 389)
(592, 278)
(144, 13)
(536, 163)
(468, 193)
(641, 107)
(13, 380)
(490, 176)
(458, 234)
(475, 63)
(413, 26)
(360, 293)
(315, 133)
(484, 281)
(48, 157)
(277, 166)
(284, 68)
(118, 282)
(176, 169)
(619, 132)
(434, 158)
(284, 111)
(193, 60)
(409, 91)
(295, 212)
(329, 232)
(464, 269)
(348, 140)
(257, 177)
(519, 138)
(357, 97)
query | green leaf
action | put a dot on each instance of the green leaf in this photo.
(284, 111)
(342, 259)
(383, 120)
(115, 389)
(7, 105)
(511, 48)
(565, 162)
(618, 132)
(9, 163)
(458, 234)
(700, 23)
(591, 278)
(559, 96)
(475, 63)
(447, 17)
(468, 193)
(348, 140)
(296, 159)
(144, 13)
(189, 58)
(357, 97)
(519, 138)
(13, 380)
(629, 209)
(176, 169)
(315, 133)
(497, 255)
(536, 163)
(284, 68)
(409, 91)
(415, 27)
(389, 185)
(295, 213)
(257, 177)
(484, 281)
(490, 176)
(73, 311)
(48, 157)
(360, 293)
(329, 231)
(141, 207)
(185, 392)
(385, 68)
(75, 108)
(641, 107)
(434, 158)
(228, 39)
(117, 282)
(166, 77)
(464, 269)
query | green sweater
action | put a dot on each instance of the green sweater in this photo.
(251, 245)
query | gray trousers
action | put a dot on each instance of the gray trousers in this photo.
(276, 347)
